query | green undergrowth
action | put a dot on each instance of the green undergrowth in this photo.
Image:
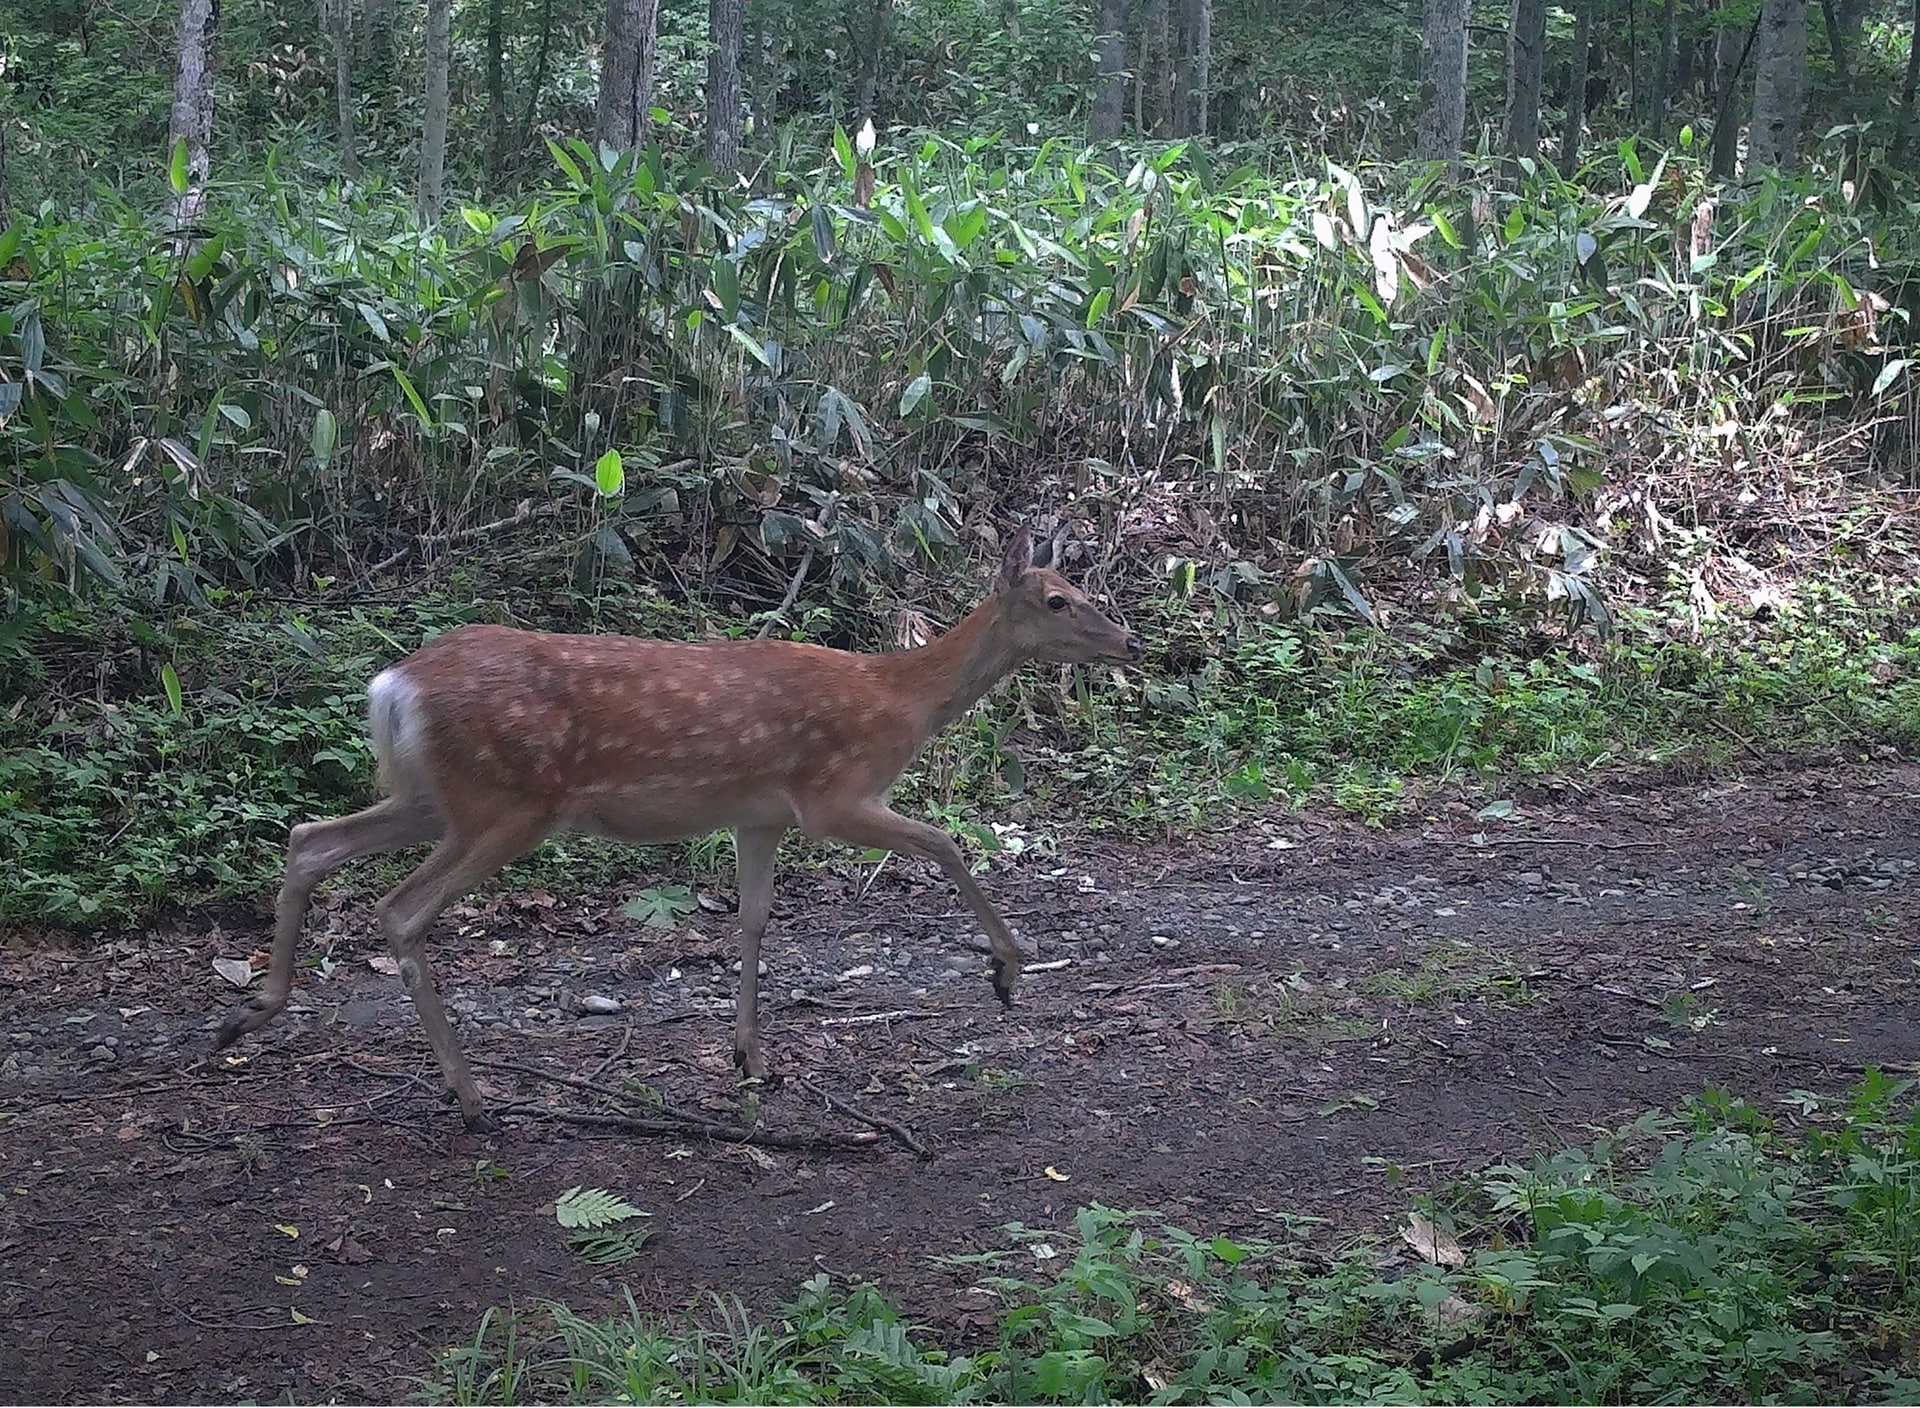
(162, 765)
(1709, 1254)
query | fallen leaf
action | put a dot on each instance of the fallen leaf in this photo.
(238, 972)
(1057, 1176)
(384, 963)
(287, 1229)
(1436, 1246)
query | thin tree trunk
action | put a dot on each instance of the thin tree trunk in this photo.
(539, 79)
(1443, 80)
(1179, 69)
(1575, 124)
(337, 17)
(377, 81)
(496, 87)
(1526, 47)
(1200, 64)
(433, 128)
(1663, 69)
(1904, 120)
(1146, 66)
(1842, 65)
(725, 20)
(872, 50)
(1633, 59)
(1779, 84)
(191, 120)
(1726, 121)
(1110, 73)
(626, 73)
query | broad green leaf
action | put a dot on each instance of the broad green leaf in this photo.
(609, 474)
(915, 393)
(326, 434)
(170, 682)
(413, 396)
(1889, 374)
(177, 167)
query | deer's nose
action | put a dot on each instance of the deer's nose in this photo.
(1135, 649)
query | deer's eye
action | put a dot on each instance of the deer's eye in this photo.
(1056, 602)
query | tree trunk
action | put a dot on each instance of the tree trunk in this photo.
(1727, 68)
(1904, 120)
(873, 48)
(496, 88)
(1575, 124)
(725, 20)
(1443, 80)
(1526, 46)
(378, 80)
(336, 16)
(1110, 73)
(1197, 27)
(1779, 84)
(1664, 68)
(626, 73)
(539, 79)
(191, 120)
(433, 128)
(1842, 66)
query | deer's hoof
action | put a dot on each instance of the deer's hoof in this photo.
(1003, 976)
(482, 1123)
(249, 1017)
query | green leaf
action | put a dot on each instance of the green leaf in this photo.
(413, 397)
(1889, 374)
(609, 475)
(177, 167)
(915, 393)
(326, 434)
(592, 1207)
(170, 682)
(1098, 307)
(752, 344)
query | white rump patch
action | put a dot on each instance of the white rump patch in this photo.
(393, 715)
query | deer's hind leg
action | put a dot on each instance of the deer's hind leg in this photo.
(314, 851)
(459, 864)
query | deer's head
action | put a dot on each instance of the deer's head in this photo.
(1050, 618)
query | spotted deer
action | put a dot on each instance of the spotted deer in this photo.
(491, 739)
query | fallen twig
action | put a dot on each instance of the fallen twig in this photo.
(904, 1014)
(725, 1133)
(1570, 841)
(618, 1052)
(880, 1122)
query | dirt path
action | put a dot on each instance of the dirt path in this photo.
(1240, 1028)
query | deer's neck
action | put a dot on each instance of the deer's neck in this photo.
(961, 666)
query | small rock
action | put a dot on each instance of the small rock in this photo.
(594, 1004)
(1162, 941)
(102, 1053)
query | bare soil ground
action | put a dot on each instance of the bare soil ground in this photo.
(1241, 1026)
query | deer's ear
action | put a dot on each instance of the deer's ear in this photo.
(1019, 557)
(1046, 554)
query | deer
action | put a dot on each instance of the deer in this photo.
(489, 739)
